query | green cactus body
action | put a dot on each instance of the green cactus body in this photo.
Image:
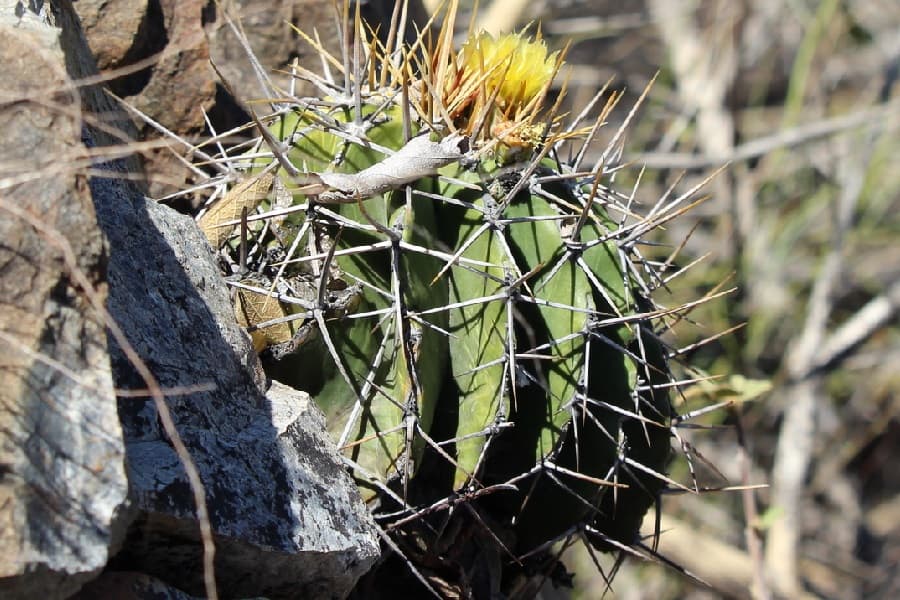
(521, 321)
(478, 347)
(534, 355)
(404, 384)
(561, 347)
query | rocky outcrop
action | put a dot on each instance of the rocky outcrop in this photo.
(286, 518)
(62, 475)
(159, 58)
(175, 41)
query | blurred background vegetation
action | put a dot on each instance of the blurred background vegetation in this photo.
(801, 100)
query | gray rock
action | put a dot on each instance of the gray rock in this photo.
(124, 585)
(63, 489)
(288, 520)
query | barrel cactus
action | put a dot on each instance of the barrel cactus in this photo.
(470, 309)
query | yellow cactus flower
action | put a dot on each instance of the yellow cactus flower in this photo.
(520, 67)
(495, 86)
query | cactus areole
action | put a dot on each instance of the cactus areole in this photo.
(469, 309)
